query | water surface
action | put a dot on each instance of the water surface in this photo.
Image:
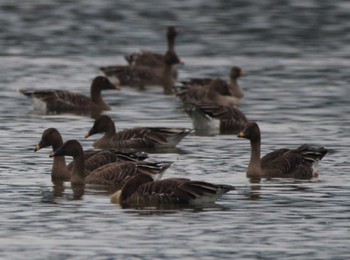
(296, 55)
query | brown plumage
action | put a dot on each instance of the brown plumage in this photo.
(153, 59)
(113, 174)
(225, 119)
(92, 159)
(143, 191)
(213, 91)
(135, 138)
(61, 101)
(300, 163)
(141, 76)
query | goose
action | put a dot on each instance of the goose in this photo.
(153, 59)
(214, 118)
(135, 138)
(299, 163)
(143, 191)
(93, 159)
(216, 92)
(62, 101)
(141, 76)
(112, 174)
(206, 90)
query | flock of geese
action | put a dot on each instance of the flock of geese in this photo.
(119, 160)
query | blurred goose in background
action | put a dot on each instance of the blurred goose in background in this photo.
(113, 174)
(61, 101)
(143, 191)
(210, 119)
(153, 59)
(135, 138)
(92, 159)
(215, 91)
(141, 76)
(300, 163)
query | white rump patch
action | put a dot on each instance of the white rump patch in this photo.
(39, 105)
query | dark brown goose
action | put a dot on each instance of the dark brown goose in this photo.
(135, 138)
(142, 191)
(61, 101)
(216, 92)
(92, 159)
(300, 163)
(153, 59)
(141, 76)
(209, 90)
(212, 118)
(113, 174)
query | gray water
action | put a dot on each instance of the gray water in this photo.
(296, 55)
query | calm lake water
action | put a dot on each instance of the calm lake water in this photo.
(297, 57)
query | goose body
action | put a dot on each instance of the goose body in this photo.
(212, 90)
(153, 59)
(135, 138)
(300, 163)
(217, 92)
(92, 159)
(113, 174)
(61, 101)
(225, 119)
(141, 76)
(142, 191)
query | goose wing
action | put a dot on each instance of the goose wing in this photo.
(294, 163)
(116, 174)
(148, 137)
(177, 191)
(128, 75)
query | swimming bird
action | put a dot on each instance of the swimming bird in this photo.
(143, 191)
(212, 90)
(141, 76)
(300, 163)
(154, 59)
(92, 159)
(135, 138)
(62, 101)
(213, 93)
(113, 174)
(212, 118)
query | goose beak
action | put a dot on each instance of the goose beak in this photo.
(37, 148)
(117, 87)
(242, 73)
(241, 135)
(87, 135)
(52, 154)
